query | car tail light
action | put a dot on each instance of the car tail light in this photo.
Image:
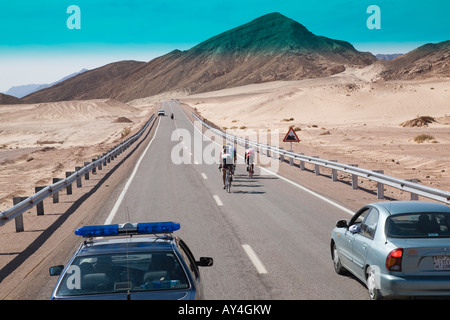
(394, 260)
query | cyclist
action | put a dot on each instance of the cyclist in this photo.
(249, 158)
(227, 160)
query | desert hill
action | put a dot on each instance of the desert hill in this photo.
(429, 60)
(271, 47)
(7, 99)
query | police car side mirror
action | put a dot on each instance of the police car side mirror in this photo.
(205, 262)
(56, 270)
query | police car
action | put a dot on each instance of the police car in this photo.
(116, 262)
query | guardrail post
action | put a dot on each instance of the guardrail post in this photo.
(316, 167)
(380, 186)
(334, 173)
(56, 193)
(281, 155)
(94, 169)
(79, 182)
(86, 175)
(354, 178)
(302, 163)
(413, 195)
(69, 187)
(40, 205)
(268, 151)
(100, 163)
(19, 218)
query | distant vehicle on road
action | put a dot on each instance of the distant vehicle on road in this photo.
(161, 113)
(142, 261)
(398, 249)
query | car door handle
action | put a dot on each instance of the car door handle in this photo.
(365, 247)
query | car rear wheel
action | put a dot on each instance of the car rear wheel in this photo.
(372, 285)
(337, 261)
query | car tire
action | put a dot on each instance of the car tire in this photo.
(372, 286)
(337, 261)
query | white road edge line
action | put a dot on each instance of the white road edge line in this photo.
(287, 180)
(254, 259)
(218, 201)
(127, 185)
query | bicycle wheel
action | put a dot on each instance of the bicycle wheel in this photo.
(228, 178)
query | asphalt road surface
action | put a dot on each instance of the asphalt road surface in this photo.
(269, 238)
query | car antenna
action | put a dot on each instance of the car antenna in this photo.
(128, 266)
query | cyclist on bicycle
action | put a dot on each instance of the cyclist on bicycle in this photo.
(249, 158)
(227, 160)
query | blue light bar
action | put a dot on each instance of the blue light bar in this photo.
(127, 229)
(157, 227)
(98, 231)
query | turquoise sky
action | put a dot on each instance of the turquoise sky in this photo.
(36, 45)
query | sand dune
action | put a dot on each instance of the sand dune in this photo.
(337, 101)
(67, 123)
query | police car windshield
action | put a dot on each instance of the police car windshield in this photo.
(125, 272)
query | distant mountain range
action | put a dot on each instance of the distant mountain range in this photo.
(271, 47)
(391, 56)
(22, 91)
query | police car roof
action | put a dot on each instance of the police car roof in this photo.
(127, 244)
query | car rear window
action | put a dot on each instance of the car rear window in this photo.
(418, 225)
(110, 273)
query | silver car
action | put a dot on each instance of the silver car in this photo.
(399, 249)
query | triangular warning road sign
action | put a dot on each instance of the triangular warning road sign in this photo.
(291, 136)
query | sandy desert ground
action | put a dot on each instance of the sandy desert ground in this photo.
(349, 117)
(39, 142)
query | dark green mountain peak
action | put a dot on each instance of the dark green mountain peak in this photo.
(271, 33)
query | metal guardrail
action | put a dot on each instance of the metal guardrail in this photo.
(18, 209)
(410, 186)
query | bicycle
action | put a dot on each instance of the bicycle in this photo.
(251, 170)
(228, 179)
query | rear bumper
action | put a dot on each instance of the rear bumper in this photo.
(393, 286)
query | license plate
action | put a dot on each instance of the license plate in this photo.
(441, 262)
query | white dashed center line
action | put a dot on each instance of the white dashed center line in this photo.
(218, 201)
(254, 259)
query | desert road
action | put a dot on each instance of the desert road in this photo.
(269, 239)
